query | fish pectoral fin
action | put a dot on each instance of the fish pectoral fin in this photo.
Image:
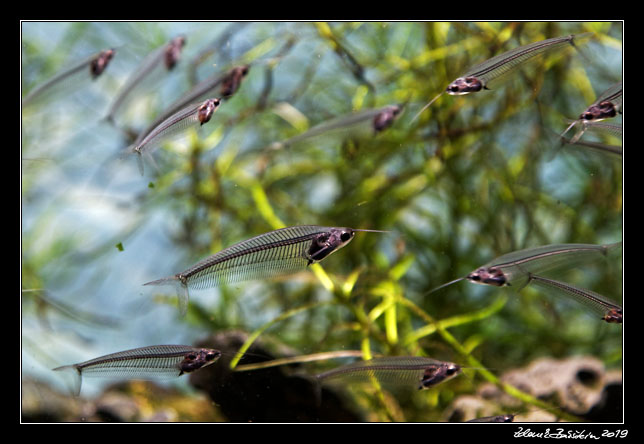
(73, 378)
(183, 297)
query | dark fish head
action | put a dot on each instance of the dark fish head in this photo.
(207, 109)
(198, 358)
(173, 51)
(464, 85)
(437, 373)
(499, 418)
(326, 243)
(613, 316)
(386, 117)
(599, 111)
(505, 418)
(488, 276)
(101, 61)
(230, 84)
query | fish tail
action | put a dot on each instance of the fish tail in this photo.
(181, 288)
(72, 374)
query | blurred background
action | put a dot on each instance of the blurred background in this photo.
(472, 178)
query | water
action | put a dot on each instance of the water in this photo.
(452, 201)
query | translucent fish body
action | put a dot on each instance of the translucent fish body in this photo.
(482, 76)
(607, 106)
(380, 118)
(157, 361)
(229, 82)
(411, 371)
(175, 126)
(608, 311)
(485, 75)
(514, 268)
(72, 77)
(161, 59)
(278, 252)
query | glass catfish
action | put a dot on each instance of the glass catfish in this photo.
(491, 72)
(522, 267)
(166, 57)
(515, 268)
(152, 362)
(607, 105)
(278, 252)
(377, 120)
(72, 77)
(417, 371)
(192, 116)
(608, 310)
(229, 81)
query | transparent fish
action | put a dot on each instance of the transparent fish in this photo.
(379, 118)
(540, 415)
(515, 268)
(192, 116)
(72, 77)
(165, 57)
(412, 371)
(607, 106)
(278, 252)
(157, 361)
(229, 81)
(496, 418)
(493, 71)
(609, 311)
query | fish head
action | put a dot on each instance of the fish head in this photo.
(231, 83)
(173, 51)
(326, 243)
(613, 316)
(385, 118)
(207, 109)
(488, 276)
(100, 62)
(464, 85)
(198, 358)
(600, 111)
(437, 373)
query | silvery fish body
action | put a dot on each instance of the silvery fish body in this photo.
(278, 252)
(412, 371)
(157, 361)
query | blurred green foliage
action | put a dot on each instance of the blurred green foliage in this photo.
(472, 178)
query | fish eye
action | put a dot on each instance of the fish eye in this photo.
(191, 356)
(475, 277)
(587, 116)
(345, 236)
(451, 370)
(453, 88)
(211, 355)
